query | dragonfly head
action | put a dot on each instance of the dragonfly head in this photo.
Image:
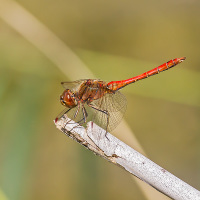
(68, 99)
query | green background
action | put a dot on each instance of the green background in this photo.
(116, 40)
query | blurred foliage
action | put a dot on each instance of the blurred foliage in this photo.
(116, 40)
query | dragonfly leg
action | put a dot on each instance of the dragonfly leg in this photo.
(106, 113)
(85, 115)
(83, 119)
(75, 115)
(62, 113)
(77, 111)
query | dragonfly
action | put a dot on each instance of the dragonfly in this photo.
(99, 101)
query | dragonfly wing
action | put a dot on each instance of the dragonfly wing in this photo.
(73, 85)
(115, 104)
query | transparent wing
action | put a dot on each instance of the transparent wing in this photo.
(111, 102)
(73, 85)
(115, 104)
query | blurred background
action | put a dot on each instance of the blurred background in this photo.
(45, 42)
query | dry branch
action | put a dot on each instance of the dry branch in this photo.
(117, 152)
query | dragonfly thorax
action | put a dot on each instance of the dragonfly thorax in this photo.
(68, 99)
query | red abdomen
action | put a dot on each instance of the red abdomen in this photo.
(116, 85)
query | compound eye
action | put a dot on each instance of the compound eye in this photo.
(62, 100)
(67, 99)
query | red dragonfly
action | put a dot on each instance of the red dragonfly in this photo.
(101, 102)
